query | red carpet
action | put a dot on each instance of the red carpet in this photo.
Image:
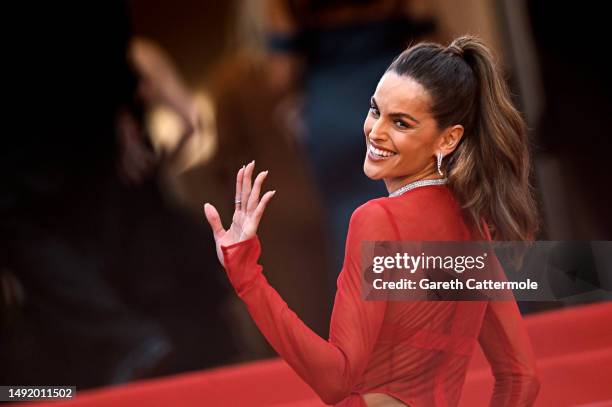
(573, 346)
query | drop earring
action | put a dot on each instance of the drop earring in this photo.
(439, 155)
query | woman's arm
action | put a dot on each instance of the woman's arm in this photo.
(506, 345)
(331, 367)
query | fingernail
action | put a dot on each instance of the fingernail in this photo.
(253, 162)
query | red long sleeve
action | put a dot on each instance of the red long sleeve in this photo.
(331, 367)
(505, 343)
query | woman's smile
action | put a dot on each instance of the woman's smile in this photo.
(376, 153)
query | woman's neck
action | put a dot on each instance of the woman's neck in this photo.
(394, 184)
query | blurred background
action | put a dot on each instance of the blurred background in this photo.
(125, 117)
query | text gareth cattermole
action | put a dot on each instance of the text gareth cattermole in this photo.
(412, 263)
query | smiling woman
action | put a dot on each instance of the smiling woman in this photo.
(449, 109)
(405, 143)
(435, 105)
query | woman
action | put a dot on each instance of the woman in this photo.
(452, 150)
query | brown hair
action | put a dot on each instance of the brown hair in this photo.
(488, 172)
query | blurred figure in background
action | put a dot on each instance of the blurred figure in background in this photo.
(573, 133)
(180, 123)
(102, 281)
(337, 51)
(253, 123)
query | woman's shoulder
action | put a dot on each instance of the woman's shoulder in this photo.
(373, 221)
(419, 200)
(373, 211)
(423, 213)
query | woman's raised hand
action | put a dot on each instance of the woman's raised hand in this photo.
(248, 210)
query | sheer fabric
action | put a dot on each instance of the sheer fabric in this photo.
(415, 351)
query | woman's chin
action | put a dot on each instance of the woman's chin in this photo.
(372, 173)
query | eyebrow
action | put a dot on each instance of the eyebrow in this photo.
(396, 114)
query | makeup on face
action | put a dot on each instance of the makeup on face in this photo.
(399, 131)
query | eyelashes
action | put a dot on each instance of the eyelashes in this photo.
(400, 124)
(374, 110)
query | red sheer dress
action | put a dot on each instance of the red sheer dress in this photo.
(415, 351)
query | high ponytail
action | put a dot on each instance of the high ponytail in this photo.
(489, 170)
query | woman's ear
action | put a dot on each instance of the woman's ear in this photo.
(449, 139)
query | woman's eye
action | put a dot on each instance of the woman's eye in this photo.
(401, 124)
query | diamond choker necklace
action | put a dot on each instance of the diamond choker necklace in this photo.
(416, 184)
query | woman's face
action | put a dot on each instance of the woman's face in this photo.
(399, 124)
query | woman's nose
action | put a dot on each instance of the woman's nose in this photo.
(378, 132)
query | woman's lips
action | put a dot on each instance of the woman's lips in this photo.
(376, 154)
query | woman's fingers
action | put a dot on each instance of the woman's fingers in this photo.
(246, 184)
(238, 194)
(261, 206)
(254, 198)
(214, 220)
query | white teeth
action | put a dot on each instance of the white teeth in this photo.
(381, 153)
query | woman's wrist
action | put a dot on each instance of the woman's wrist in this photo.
(240, 262)
(247, 241)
